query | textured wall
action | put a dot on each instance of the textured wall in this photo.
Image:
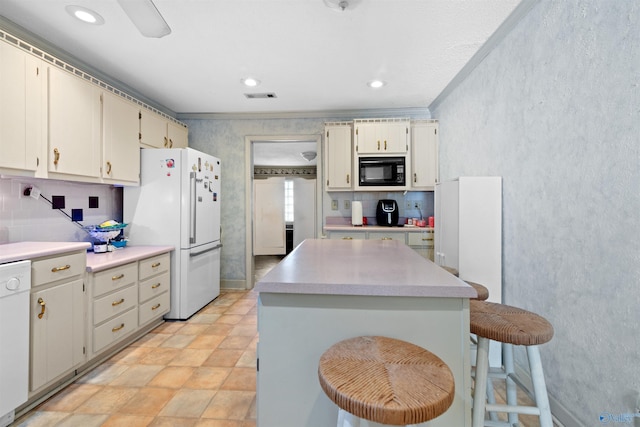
(555, 110)
(226, 139)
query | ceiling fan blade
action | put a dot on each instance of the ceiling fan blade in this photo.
(146, 18)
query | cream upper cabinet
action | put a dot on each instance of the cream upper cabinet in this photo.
(74, 125)
(381, 136)
(157, 131)
(424, 155)
(121, 151)
(22, 109)
(338, 157)
(178, 135)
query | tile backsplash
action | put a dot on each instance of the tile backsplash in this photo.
(25, 218)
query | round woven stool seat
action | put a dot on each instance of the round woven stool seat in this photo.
(386, 380)
(482, 291)
(508, 324)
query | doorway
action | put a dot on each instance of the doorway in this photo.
(276, 160)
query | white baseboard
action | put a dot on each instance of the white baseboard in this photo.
(562, 417)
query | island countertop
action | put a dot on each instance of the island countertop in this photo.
(361, 267)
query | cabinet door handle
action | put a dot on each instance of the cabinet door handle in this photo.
(117, 328)
(166, 142)
(43, 308)
(108, 168)
(118, 277)
(347, 238)
(415, 177)
(155, 264)
(378, 145)
(155, 307)
(56, 156)
(347, 178)
(64, 267)
(385, 145)
(117, 302)
(170, 143)
(156, 286)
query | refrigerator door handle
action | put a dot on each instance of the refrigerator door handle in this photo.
(192, 188)
(206, 250)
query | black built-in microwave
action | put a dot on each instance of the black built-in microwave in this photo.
(381, 171)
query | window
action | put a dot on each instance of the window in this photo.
(288, 200)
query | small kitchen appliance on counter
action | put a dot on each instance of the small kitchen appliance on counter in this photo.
(356, 213)
(387, 213)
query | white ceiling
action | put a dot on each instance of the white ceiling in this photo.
(312, 57)
(275, 153)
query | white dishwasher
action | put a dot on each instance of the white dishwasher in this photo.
(15, 283)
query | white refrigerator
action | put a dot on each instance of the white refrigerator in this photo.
(178, 204)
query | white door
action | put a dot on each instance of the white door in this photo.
(304, 210)
(268, 217)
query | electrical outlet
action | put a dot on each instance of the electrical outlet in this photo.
(347, 204)
(417, 205)
(334, 205)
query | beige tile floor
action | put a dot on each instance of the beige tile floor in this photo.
(200, 372)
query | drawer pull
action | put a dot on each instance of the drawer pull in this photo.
(117, 302)
(64, 267)
(387, 238)
(155, 307)
(118, 277)
(43, 307)
(155, 264)
(347, 238)
(156, 286)
(117, 328)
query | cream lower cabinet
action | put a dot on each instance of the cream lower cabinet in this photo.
(153, 288)
(125, 298)
(420, 241)
(57, 317)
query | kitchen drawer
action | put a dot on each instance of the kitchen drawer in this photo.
(115, 329)
(154, 308)
(47, 270)
(387, 236)
(114, 304)
(154, 286)
(345, 235)
(154, 265)
(420, 239)
(114, 278)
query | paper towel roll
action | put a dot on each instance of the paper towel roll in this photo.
(356, 213)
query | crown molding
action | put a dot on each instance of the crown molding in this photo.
(414, 113)
(492, 42)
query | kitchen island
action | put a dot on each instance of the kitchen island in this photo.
(329, 290)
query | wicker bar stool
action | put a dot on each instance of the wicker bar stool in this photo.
(385, 380)
(510, 326)
(482, 291)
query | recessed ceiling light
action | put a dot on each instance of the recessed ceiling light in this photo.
(251, 82)
(85, 15)
(376, 84)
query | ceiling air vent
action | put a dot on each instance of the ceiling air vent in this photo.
(260, 95)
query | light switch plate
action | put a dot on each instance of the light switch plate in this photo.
(347, 204)
(334, 205)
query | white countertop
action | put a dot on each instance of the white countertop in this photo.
(405, 228)
(102, 261)
(19, 251)
(361, 267)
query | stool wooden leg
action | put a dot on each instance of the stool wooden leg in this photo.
(539, 386)
(511, 386)
(346, 419)
(480, 387)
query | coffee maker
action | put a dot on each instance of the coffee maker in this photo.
(387, 213)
